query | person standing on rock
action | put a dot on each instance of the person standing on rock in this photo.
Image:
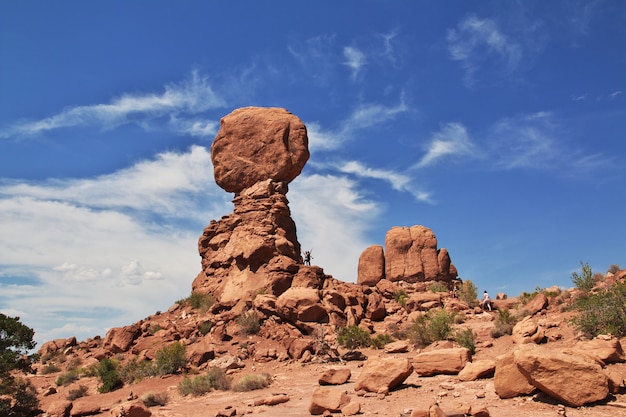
(307, 257)
(486, 301)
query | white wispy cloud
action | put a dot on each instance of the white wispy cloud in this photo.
(525, 141)
(355, 60)
(451, 140)
(398, 181)
(371, 114)
(333, 218)
(192, 96)
(125, 242)
(475, 39)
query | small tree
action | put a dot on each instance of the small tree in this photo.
(585, 281)
(17, 396)
(468, 293)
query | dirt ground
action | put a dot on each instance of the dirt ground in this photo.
(297, 381)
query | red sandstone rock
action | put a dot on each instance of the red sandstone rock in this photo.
(411, 255)
(371, 268)
(508, 380)
(383, 374)
(477, 369)
(335, 376)
(120, 339)
(538, 303)
(569, 378)
(327, 399)
(441, 361)
(256, 144)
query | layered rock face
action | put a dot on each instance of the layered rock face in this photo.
(255, 154)
(410, 255)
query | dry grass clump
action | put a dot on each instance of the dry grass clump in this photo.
(214, 379)
(151, 399)
(252, 382)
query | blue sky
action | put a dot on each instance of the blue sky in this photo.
(499, 125)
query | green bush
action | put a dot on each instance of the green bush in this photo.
(51, 368)
(401, 296)
(135, 371)
(466, 338)
(504, 323)
(603, 312)
(170, 359)
(18, 398)
(79, 392)
(109, 377)
(150, 399)
(199, 301)
(205, 327)
(435, 325)
(468, 293)
(584, 281)
(154, 328)
(249, 323)
(253, 382)
(438, 287)
(215, 379)
(353, 337)
(381, 340)
(67, 378)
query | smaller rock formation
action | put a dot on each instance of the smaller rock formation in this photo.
(410, 255)
(381, 375)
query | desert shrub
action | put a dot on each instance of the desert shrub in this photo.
(73, 363)
(435, 325)
(67, 378)
(135, 371)
(504, 323)
(249, 322)
(252, 382)
(199, 301)
(614, 268)
(397, 332)
(79, 392)
(468, 293)
(154, 328)
(401, 296)
(51, 368)
(466, 338)
(205, 327)
(170, 359)
(603, 312)
(151, 399)
(109, 377)
(381, 340)
(584, 281)
(352, 337)
(438, 287)
(215, 379)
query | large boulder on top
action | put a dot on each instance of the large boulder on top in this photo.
(411, 255)
(255, 144)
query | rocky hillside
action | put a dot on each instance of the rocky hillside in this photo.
(264, 334)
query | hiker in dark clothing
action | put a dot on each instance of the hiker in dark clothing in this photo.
(307, 257)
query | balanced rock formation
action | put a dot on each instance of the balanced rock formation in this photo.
(255, 154)
(410, 255)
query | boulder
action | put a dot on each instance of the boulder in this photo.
(301, 304)
(528, 331)
(571, 379)
(327, 400)
(477, 369)
(399, 346)
(120, 339)
(371, 267)
(603, 350)
(254, 144)
(538, 303)
(508, 380)
(441, 361)
(381, 375)
(422, 301)
(200, 352)
(335, 376)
